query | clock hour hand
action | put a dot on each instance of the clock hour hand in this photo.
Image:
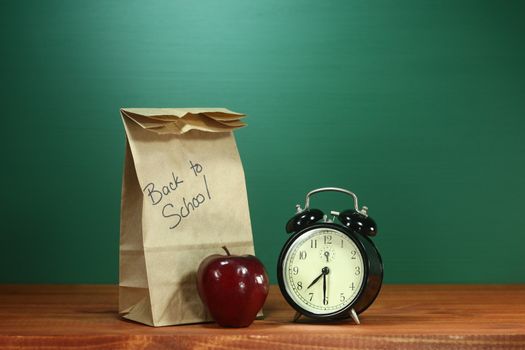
(324, 272)
(315, 280)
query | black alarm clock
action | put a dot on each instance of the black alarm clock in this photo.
(329, 268)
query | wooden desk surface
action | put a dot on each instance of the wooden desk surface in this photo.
(403, 317)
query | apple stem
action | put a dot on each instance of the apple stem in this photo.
(226, 250)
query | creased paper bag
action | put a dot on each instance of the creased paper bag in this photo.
(183, 198)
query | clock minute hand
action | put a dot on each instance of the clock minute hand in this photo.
(325, 302)
(315, 280)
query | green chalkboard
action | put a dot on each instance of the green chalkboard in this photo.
(417, 106)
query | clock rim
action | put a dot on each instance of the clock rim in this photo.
(344, 312)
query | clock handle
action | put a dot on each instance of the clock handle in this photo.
(363, 210)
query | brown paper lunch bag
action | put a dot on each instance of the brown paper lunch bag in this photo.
(183, 198)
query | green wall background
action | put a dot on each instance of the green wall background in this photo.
(417, 106)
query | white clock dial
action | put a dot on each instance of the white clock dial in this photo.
(323, 271)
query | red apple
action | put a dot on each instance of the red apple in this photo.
(233, 288)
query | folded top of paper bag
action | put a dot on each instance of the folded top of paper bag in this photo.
(181, 120)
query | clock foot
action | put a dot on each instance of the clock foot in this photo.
(353, 314)
(297, 316)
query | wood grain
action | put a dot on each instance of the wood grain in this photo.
(403, 317)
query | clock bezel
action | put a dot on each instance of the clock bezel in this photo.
(344, 312)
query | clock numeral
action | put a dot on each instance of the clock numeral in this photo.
(311, 296)
(353, 252)
(357, 270)
(352, 287)
(302, 255)
(325, 301)
(327, 239)
(299, 285)
(295, 270)
(313, 243)
(342, 296)
(342, 242)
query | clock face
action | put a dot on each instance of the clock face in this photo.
(323, 271)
